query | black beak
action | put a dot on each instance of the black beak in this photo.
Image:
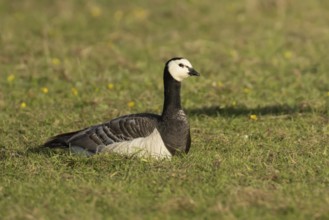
(193, 72)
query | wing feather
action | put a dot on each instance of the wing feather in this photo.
(109, 134)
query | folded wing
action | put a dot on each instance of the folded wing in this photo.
(94, 138)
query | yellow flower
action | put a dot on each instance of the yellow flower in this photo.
(288, 54)
(74, 91)
(220, 84)
(253, 117)
(140, 13)
(234, 54)
(110, 86)
(131, 104)
(11, 78)
(95, 11)
(246, 90)
(55, 61)
(23, 105)
(44, 90)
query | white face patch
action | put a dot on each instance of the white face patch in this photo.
(179, 69)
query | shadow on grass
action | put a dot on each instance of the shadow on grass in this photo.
(49, 152)
(40, 150)
(243, 110)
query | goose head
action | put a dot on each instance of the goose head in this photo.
(180, 68)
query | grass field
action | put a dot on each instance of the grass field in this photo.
(259, 113)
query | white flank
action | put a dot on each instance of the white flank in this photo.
(150, 146)
(177, 72)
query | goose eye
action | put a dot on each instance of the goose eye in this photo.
(181, 65)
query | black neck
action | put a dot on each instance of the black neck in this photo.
(172, 102)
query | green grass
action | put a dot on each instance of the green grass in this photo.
(263, 58)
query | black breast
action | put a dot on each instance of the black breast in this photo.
(175, 132)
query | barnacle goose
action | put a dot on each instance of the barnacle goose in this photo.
(144, 134)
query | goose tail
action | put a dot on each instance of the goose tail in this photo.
(60, 140)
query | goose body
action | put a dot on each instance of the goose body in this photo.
(144, 134)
